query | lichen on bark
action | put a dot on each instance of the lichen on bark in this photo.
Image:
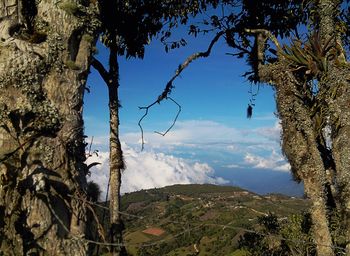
(318, 158)
(42, 151)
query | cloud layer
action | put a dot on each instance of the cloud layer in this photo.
(274, 162)
(217, 142)
(149, 169)
(188, 153)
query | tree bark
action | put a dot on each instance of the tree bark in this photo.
(45, 48)
(305, 114)
(339, 105)
(300, 146)
(116, 161)
(116, 156)
(336, 84)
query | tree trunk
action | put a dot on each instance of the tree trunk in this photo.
(44, 60)
(336, 84)
(116, 161)
(301, 148)
(305, 114)
(339, 106)
(116, 155)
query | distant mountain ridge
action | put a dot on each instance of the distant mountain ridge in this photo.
(262, 181)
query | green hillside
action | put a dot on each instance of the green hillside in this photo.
(209, 220)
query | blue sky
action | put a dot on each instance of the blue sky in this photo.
(212, 135)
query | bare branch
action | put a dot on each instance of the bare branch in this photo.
(139, 123)
(184, 65)
(169, 86)
(175, 119)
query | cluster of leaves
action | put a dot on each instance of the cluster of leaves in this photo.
(130, 25)
(310, 58)
(191, 9)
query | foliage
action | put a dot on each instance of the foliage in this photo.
(287, 237)
(93, 191)
(311, 82)
(136, 22)
(269, 223)
(311, 57)
(290, 237)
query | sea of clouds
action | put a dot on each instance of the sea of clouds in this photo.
(189, 153)
(150, 169)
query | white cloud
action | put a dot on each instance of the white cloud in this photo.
(271, 133)
(232, 166)
(205, 134)
(274, 162)
(190, 133)
(148, 170)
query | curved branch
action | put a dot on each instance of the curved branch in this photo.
(146, 113)
(175, 119)
(169, 86)
(139, 124)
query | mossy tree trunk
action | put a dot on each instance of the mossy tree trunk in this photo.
(116, 156)
(45, 48)
(300, 145)
(338, 103)
(116, 161)
(315, 122)
(336, 87)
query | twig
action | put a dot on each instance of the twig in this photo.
(169, 86)
(175, 119)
